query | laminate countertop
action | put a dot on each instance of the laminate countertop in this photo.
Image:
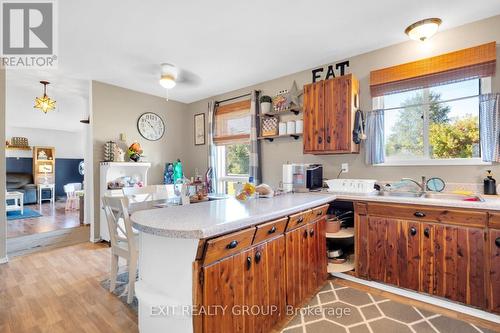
(213, 218)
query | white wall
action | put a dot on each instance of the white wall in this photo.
(67, 144)
(3, 220)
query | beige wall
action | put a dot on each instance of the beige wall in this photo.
(280, 151)
(115, 110)
(3, 220)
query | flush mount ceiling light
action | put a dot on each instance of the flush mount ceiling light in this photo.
(45, 103)
(168, 76)
(424, 29)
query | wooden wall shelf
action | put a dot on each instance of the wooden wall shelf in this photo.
(271, 138)
(294, 111)
(18, 147)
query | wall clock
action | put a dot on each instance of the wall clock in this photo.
(151, 126)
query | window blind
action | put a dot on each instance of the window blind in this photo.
(474, 62)
(232, 123)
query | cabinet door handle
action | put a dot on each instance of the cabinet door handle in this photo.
(301, 219)
(232, 245)
(427, 232)
(319, 213)
(320, 139)
(305, 233)
(272, 230)
(413, 231)
(311, 232)
(497, 242)
(419, 214)
(249, 263)
(258, 256)
(328, 139)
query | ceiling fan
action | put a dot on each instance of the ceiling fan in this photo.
(171, 75)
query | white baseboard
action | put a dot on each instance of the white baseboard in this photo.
(424, 298)
(4, 260)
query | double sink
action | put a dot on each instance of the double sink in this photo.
(431, 195)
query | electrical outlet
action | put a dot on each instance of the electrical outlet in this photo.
(345, 167)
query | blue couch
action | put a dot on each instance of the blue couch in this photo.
(22, 182)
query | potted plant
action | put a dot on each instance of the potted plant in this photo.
(265, 104)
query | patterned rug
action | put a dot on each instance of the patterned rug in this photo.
(337, 308)
(27, 214)
(121, 289)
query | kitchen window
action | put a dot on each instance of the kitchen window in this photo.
(232, 137)
(434, 125)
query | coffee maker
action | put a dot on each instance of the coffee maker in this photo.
(302, 177)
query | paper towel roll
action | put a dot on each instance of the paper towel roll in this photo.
(299, 126)
(282, 128)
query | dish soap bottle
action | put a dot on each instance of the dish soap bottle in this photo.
(490, 184)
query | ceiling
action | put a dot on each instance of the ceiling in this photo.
(227, 44)
(71, 96)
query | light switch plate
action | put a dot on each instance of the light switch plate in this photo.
(345, 167)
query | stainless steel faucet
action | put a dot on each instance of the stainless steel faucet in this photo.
(422, 185)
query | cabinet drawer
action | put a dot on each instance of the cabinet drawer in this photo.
(299, 219)
(432, 214)
(319, 212)
(494, 220)
(270, 229)
(227, 245)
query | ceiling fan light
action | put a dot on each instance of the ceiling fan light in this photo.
(167, 81)
(424, 29)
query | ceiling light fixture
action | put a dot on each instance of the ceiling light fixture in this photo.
(167, 81)
(45, 103)
(424, 29)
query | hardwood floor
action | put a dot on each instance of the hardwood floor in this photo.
(59, 291)
(55, 217)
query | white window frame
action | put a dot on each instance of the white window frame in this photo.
(221, 165)
(378, 103)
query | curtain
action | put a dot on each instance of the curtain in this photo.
(489, 127)
(254, 170)
(374, 148)
(212, 155)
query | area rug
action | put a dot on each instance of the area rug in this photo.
(121, 289)
(28, 214)
(337, 308)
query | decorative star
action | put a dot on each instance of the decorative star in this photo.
(294, 95)
(45, 103)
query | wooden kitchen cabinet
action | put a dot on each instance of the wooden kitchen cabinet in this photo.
(253, 277)
(493, 290)
(329, 108)
(306, 261)
(454, 263)
(445, 257)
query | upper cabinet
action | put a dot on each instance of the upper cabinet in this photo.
(329, 108)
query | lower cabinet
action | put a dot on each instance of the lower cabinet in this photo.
(442, 253)
(306, 261)
(494, 270)
(245, 292)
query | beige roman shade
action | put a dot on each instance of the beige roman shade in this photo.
(232, 123)
(470, 63)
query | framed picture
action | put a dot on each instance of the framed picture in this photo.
(199, 129)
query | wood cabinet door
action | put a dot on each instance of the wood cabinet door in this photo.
(494, 271)
(361, 244)
(297, 265)
(337, 114)
(314, 117)
(453, 263)
(235, 287)
(394, 251)
(228, 284)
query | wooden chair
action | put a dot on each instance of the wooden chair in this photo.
(146, 197)
(123, 241)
